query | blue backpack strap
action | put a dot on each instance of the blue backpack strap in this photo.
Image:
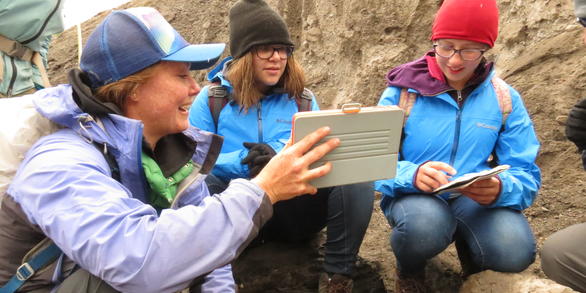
(218, 97)
(304, 102)
(26, 270)
(51, 252)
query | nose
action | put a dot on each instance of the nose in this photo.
(456, 58)
(275, 56)
(194, 88)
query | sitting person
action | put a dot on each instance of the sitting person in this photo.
(116, 199)
(453, 126)
(265, 87)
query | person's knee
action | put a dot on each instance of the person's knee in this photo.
(501, 257)
(553, 257)
(423, 227)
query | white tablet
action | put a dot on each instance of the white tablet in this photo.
(369, 142)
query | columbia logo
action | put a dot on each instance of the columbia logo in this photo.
(486, 126)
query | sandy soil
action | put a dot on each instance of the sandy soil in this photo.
(346, 46)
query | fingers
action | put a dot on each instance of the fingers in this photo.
(248, 145)
(318, 152)
(309, 140)
(442, 167)
(318, 171)
(261, 160)
(432, 175)
(250, 157)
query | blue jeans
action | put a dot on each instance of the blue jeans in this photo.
(344, 210)
(498, 239)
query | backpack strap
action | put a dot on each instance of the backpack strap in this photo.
(406, 102)
(17, 50)
(503, 96)
(218, 97)
(43, 254)
(304, 102)
(46, 252)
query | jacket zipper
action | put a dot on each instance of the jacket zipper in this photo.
(457, 130)
(44, 24)
(12, 78)
(259, 116)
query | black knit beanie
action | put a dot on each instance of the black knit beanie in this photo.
(253, 22)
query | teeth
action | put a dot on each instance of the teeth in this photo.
(185, 108)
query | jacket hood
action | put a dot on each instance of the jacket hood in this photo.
(217, 74)
(424, 76)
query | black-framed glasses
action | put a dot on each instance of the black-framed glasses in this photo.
(265, 52)
(465, 54)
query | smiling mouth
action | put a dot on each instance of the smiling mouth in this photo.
(185, 108)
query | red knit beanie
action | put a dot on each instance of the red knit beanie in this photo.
(473, 20)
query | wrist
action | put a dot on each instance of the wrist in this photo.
(260, 183)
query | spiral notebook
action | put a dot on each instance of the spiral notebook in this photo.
(369, 142)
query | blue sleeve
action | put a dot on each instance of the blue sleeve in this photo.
(220, 280)
(228, 165)
(403, 181)
(518, 146)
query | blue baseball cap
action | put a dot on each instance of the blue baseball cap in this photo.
(130, 40)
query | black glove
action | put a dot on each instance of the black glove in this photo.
(259, 155)
(576, 128)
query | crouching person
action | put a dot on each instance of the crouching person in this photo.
(116, 199)
(265, 86)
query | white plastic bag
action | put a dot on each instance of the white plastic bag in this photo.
(20, 127)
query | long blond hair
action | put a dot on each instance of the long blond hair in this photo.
(246, 93)
(117, 92)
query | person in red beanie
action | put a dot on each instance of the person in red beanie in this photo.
(460, 119)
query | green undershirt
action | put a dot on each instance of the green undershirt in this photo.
(163, 189)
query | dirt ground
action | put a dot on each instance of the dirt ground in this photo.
(346, 47)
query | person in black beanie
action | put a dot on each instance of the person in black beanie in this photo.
(265, 86)
(576, 128)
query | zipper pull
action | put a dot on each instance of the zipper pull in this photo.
(459, 98)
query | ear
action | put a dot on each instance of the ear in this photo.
(134, 96)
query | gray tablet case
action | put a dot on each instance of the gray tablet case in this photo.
(369, 142)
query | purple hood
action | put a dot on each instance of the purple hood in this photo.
(424, 76)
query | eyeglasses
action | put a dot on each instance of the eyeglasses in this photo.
(465, 54)
(265, 52)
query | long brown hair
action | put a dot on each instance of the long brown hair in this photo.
(246, 93)
(117, 92)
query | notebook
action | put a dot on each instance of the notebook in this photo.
(369, 142)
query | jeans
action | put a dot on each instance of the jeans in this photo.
(344, 210)
(498, 239)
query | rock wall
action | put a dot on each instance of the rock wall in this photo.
(347, 46)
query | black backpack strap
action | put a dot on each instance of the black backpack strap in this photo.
(304, 102)
(110, 159)
(218, 97)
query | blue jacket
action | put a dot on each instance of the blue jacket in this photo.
(64, 186)
(268, 122)
(464, 137)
